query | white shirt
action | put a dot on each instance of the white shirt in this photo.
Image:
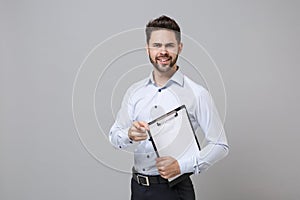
(145, 101)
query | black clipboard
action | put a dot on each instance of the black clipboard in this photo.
(172, 134)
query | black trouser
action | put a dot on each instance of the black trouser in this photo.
(181, 191)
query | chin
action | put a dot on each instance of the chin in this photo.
(163, 68)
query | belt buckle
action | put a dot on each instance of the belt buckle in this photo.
(145, 178)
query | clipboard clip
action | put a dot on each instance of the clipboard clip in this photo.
(158, 124)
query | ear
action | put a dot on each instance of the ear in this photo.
(147, 48)
(180, 47)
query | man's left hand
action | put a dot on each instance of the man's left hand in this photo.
(167, 166)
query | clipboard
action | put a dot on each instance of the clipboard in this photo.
(172, 134)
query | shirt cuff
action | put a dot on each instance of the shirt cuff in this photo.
(186, 165)
(124, 140)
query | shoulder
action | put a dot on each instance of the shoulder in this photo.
(136, 87)
(203, 98)
(196, 88)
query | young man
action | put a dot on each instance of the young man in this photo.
(164, 90)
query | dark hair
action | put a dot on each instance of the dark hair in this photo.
(162, 22)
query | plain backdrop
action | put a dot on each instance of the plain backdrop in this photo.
(255, 45)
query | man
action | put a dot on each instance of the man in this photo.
(165, 89)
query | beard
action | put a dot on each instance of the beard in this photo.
(163, 67)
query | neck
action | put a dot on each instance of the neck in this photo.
(161, 78)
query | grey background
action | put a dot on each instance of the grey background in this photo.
(254, 43)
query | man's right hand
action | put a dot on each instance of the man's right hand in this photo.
(137, 132)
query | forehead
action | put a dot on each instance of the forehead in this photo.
(163, 36)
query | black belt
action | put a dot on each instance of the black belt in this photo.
(146, 180)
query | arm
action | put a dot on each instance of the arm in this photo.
(217, 147)
(118, 134)
(125, 131)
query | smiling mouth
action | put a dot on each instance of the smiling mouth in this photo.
(163, 60)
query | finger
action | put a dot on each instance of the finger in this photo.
(165, 176)
(138, 134)
(137, 139)
(140, 125)
(161, 170)
(144, 124)
(138, 130)
(164, 159)
(161, 164)
(159, 159)
(136, 125)
(140, 137)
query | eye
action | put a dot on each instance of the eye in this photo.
(170, 45)
(156, 45)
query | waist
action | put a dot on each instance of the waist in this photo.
(147, 180)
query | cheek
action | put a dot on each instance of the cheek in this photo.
(173, 52)
(152, 54)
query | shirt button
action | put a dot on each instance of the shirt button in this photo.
(155, 106)
(159, 90)
(143, 169)
(148, 156)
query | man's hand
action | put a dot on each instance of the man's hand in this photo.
(137, 131)
(167, 166)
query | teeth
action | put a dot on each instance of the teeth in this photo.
(164, 59)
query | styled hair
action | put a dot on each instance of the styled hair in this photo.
(163, 22)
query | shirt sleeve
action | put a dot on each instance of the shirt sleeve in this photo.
(118, 135)
(212, 127)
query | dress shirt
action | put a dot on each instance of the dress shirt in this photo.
(145, 101)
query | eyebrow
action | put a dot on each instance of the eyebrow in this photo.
(166, 44)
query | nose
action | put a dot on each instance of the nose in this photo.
(163, 50)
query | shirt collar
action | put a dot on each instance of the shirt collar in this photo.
(177, 77)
